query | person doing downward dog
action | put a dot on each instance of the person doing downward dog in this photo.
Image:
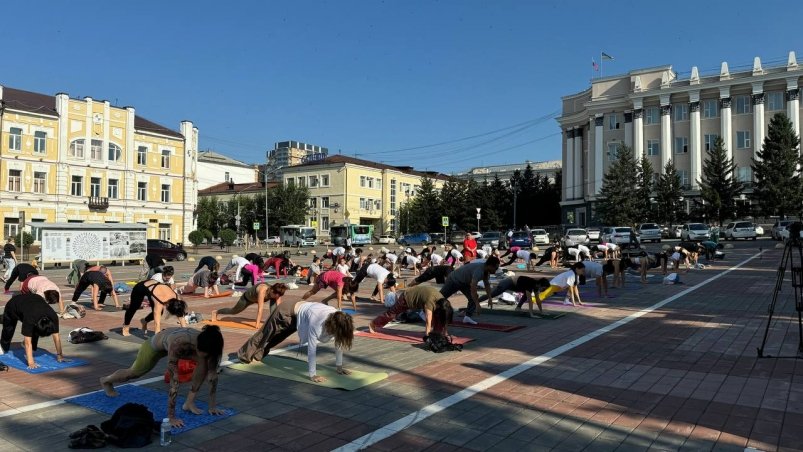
(525, 285)
(528, 257)
(38, 320)
(21, 273)
(316, 323)
(437, 272)
(377, 272)
(100, 285)
(340, 283)
(161, 298)
(238, 263)
(209, 262)
(599, 273)
(204, 346)
(45, 288)
(466, 279)
(437, 309)
(566, 281)
(202, 278)
(256, 295)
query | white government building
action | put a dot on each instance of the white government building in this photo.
(664, 116)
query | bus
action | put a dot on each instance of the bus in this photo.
(297, 235)
(360, 234)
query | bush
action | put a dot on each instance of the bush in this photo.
(228, 237)
(196, 238)
(207, 235)
(24, 239)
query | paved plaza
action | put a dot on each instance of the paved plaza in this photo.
(653, 367)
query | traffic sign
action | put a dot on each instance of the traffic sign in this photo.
(445, 221)
(478, 216)
(256, 225)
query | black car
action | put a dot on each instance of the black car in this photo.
(166, 250)
(492, 238)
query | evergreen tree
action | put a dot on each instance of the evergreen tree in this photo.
(617, 203)
(719, 186)
(500, 201)
(778, 186)
(644, 191)
(668, 193)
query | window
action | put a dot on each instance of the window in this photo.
(14, 180)
(114, 189)
(11, 226)
(745, 174)
(324, 202)
(94, 187)
(378, 184)
(370, 181)
(324, 223)
(40, 142)
(302, 181)
(393, 198)
(710, 108)
(77, 186)
(164, 231)
(15, 139)
(653, 147)
(324, 180)
(142, 155)
(291, 182)
(684, 179)
(165, 158)
(613, 121)
(681, 145)
(115, 152)
(709, 141)
(362, 203)
(96, 150)
(774, 100)
(742, 139)
(142, 191)
(166, 194)
(313, 203)
(742, 104)
(77, 148)
(681, 112)
(37, 232)
(652, 115)
(39, 182)
(613, 151)
(313, 181)
(362, 181)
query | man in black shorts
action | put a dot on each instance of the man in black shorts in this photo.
(38, 319)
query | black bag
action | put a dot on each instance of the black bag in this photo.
(132, 425)
(82, 335)
(439, 343)
(89, 437)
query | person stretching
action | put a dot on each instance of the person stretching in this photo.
(161, 297)
(465, 280)
(101, 286)
(279, 263)
(340, 283)
(513, 250)
(379, 273)
(600, 274)
(108, 273)
(528, 257)
(37, 319)
(566, 281)
(550, 255)
(165, 276)
(40, 285)
(21, 272)
(238, 263)
(437, 309)
(204, 346)
(256, 295)
(437, 272)
(209, 262)
(202, 278)
(316, 323)
(518, 284)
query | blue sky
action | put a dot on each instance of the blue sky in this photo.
(373, 78)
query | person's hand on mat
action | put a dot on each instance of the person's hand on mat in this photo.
(33, 365)
(62, 359)
(343, 371)
(176, 422)
(317, 378)
(216, 412)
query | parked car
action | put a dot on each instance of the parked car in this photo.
(695, 231)
(541, 237)
(421, 238)
(594, 233)
(476, 235)
(168, 251)
(437, 237)
(740, 230)
(456, 236)
(619, 235)
(785, 233)
(575, 237)
(492, 238)
(779, 226)
(649, 231)
(273, 240)
(386, 239)
(521, 239)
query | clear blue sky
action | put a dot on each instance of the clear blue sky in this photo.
(371, 77)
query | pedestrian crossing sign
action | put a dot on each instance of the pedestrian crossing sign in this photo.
(445, 221)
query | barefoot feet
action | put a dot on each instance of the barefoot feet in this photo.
(108, 388)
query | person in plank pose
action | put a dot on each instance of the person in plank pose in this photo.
(258, 295)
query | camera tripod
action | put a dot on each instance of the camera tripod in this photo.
(792, 258)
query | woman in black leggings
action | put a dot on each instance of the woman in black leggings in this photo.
(161, 297)
(21, 272)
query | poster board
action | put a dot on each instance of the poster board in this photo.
(65, 242)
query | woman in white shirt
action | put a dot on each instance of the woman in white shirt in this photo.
(566, 281)
(166, 276)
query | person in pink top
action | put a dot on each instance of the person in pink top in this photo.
(45, 288)
(250, 273)
(512, 250)
(340, 283)
(280, 265)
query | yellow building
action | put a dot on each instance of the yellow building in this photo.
(350, 190)
(84, 161)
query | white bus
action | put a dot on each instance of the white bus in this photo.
(297, 235)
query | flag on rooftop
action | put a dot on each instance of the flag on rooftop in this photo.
(605, 56)
(594, 65)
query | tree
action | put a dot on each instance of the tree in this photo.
(719, 186)
(196, 238)
(618, 203)
(228, 236)
(778, 186)
(668, 193)
(644, 183)
(208, 214)
(287, 205)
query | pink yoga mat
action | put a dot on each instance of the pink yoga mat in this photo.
(409, 337)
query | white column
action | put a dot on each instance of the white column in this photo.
(638, 132)
(568, 152)
(599, 151)
(758, 117)
(725, 118)
(793, 105)
(579, 189)
(629, 131)
(695, 141)
(666, 132)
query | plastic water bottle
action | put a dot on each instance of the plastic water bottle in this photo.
(165, 433)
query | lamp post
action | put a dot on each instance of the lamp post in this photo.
(478, 219)
(515, 203)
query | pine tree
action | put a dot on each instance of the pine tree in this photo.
(645, 188)
(719, 186)
(617, 204)
(668, 193)
(778, 186)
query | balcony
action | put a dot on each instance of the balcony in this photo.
(98, 203)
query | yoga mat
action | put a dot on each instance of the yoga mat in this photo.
(560, 303)
(522, 313)
(235, 322)
(350, 311)
(156, 401)
(410, 337)
(488, 326)
(201, 295)
(47, 361)
(297, 370)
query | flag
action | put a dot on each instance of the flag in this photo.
(605, 56)
(594, 65)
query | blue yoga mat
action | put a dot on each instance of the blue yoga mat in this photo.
(349, 311)
(47, 361)
(156, 401)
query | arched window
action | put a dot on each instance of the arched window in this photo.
(77, 148)
(115, 152)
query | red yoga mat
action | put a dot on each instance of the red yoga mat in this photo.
(410, 337)
(488, 326)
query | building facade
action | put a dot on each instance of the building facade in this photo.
(214, 169)
(665, 117)
(546, 169)
(291, 153)
(85, 161)
(346, 190)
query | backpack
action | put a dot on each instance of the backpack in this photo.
(185, 368)
(82, 335)
(438, 343)
(132, 425)
(74, 311)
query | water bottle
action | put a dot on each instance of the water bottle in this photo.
(165, 433)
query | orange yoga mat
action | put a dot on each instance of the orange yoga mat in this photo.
(235, 322)
(227, 293)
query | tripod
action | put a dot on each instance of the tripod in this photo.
(792, 257)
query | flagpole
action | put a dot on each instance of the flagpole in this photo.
(600, 64)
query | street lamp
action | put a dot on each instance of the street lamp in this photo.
(478, 219)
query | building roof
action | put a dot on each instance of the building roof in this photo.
(45, 104)
(213, 157)
(342, 159)
(226, 188)
(536, 166)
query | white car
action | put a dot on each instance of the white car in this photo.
(273, 240)
(695, 231)
(386, 239)
(740, 230)
(575, 236)
(619, 235)
(540, 237)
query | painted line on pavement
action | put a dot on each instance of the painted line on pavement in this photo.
(411, 419)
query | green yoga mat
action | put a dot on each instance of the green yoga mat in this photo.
(552, 315)
(296, 370)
